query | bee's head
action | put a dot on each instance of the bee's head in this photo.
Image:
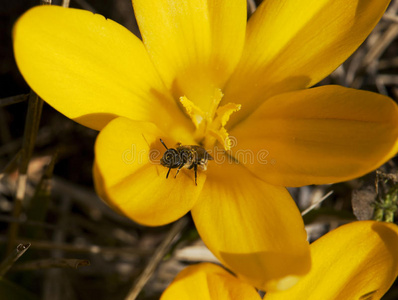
(171, 159)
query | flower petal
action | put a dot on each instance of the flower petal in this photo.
(89, 68)
(355, 261)
(207, 281)
(317, 136)
(253, 228)
(194, 44)
(129, 177)
(294, 44)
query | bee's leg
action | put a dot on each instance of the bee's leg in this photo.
(167, 176)
(178, 170)
(195, 167)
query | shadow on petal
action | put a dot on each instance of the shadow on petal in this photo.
(95, 120)
(273, 270)
(390, 239)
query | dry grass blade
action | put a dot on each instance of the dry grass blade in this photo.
(85, 5)
(156, 258)
(381, 45)
(37, 208)
(68, 263)
(25, 222)
(13, 100)
(88, 199)
(31, 127)
(12, 258)
(251, 6)
(65, 3)
(316, 203)
(391, 17)
(93, 249)
(12, 165)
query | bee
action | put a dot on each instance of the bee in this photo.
(188, 156)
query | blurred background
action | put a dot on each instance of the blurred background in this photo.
(81, 249)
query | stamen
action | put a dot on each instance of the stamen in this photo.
(210, 125)
(217, 128)
(216, 102)
(193, 111)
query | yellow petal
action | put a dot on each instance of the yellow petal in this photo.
(294, 44)
(89, 68)
(355, 261)
(254, 228)
(129, 177)
(194, 44)
(208, 282)
(317, 136)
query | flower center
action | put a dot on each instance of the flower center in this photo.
(210, 125)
